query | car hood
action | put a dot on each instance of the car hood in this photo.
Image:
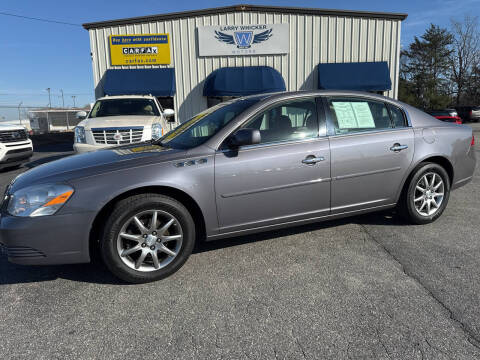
(11, 127)
(97, 162)
(119, 121)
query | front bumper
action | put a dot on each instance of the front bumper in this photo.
(12, 154)
(46, 240)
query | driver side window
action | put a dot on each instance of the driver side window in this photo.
(293, 120)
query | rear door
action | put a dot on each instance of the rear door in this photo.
(371, 149)
(285, 178)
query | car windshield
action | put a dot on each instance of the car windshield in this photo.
(206, 124)
(120, 107)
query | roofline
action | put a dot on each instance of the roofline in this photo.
(244, 7)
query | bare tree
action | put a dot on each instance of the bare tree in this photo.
(466, 56)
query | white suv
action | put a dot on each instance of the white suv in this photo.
(15, 146)
(125, 119)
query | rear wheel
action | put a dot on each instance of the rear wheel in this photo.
(148, 237)
(427, 194)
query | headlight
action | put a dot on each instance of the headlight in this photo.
(38, 200)
(80, 135)
(157, 132)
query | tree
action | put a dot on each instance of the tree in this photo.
(425, 67)
(465, 61)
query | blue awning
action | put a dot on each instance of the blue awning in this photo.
(362, 76)
(157, 82)
(241, 81)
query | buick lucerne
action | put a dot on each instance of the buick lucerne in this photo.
(248, 165)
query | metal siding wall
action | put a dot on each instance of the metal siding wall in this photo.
(334, 39)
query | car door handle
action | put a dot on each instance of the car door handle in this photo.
(397, 147)
(312, 159)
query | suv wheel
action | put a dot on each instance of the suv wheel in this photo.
(427, 194)
(147, 237)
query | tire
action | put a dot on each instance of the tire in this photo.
(122, 254)
(412, 210)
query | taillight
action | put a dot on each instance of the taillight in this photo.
(470, 113)
(473, 141)
(458, 120)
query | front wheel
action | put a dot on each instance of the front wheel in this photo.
(427, 195)
(147, 237)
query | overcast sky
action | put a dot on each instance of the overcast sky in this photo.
(36, 55)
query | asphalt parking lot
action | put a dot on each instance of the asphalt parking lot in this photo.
(363, 287)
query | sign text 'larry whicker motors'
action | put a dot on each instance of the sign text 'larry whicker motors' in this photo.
(243, 39)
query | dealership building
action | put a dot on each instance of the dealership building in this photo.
(194, 59)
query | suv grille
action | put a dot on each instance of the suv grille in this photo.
(116, 136)
(9, 136)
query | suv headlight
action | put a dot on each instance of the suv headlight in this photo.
(38, 200)
(80, 135)
(157, 132)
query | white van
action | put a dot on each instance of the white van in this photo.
(124, 119)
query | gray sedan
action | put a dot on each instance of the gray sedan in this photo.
(252, 164)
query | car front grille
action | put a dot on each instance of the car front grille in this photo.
(9, 136)
(117, 136)
(17, 151)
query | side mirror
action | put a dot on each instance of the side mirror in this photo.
(244, 137)
(169, 115)
(81, 115)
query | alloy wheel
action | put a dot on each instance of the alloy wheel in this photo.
(149, 240)
(429, 194)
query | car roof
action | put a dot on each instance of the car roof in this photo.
(305, 93)
(126, 97)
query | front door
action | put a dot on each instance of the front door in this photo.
(284, 178)
(371, 149)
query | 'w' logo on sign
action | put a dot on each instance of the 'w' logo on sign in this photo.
(243, 39)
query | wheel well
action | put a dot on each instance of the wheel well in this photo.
(440, 160)
(443, 162)
(178, 195)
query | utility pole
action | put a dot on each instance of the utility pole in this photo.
(19, 117)
(73, 97)
(63, 101)
(49, 99)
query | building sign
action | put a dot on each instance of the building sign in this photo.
(247, 39)
(148, 49)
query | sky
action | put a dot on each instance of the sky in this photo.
(38, 55)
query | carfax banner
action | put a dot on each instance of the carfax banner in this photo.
(148, 49)
(247, 39)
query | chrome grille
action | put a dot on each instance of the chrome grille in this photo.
(117, 136)
(8, 136)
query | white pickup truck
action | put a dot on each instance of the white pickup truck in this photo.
(15, 146)
(124, 119)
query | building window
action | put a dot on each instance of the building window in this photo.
(166, 102)
(215, 100)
